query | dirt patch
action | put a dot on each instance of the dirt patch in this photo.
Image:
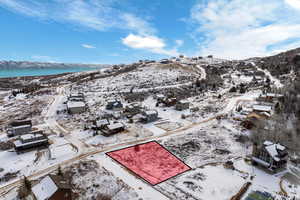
(7, 145)
(184, 149)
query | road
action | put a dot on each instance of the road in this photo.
(50, 121)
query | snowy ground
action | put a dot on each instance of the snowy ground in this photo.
(200, 140)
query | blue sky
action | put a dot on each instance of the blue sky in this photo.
(124, 31)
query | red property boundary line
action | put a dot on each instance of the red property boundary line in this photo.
(189, 168)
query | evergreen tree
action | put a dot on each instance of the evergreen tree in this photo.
(27, 183)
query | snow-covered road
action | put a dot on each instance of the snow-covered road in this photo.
(50, 121)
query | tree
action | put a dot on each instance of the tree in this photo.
(59, 171)
(198, 83)
(277, 108)
(27, 183)
(233, 89)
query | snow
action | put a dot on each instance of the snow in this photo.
(11, 162)
(154, 129)
(30, 136)
(273, 150)
(22, 126)
(144, 190)
(264, 163)
(102, 122)
(45, 189)
(218, 183)
(62, 152)
(268, 143)
(115, 126)
(262, 108)
(151, 112)
(262, 181)
(75, 104)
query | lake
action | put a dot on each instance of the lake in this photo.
(16, 72)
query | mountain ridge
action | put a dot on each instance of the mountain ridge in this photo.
(30, 64)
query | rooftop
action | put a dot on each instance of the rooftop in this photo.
(151, 112)
(262, 108)
(115, 126)
(75, 104)
(44, 189)
(273, 149)
(30, 136)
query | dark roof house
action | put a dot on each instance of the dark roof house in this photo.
(149, 116)
(112, 129)
(182, 105)
(31, 141)
(114, 104)
(20, 127)
(270, 155)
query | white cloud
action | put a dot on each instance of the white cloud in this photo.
(239, 29)
(294, 3)
(143, 42)
(135, 23)
(88, 46)
(35, 9)
(99, 15)
(149, 43)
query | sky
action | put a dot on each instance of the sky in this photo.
(124, 31)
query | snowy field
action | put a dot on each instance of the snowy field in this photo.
(204, 138)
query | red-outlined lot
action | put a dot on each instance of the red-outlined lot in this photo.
(151, 161)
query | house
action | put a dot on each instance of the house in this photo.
(76, 107)
(100, 124)
(76, 97)
(160, 97)
(164, 61)
(170, 102)
(112, 129)
(270, 155)
(133, 109)
(149, 61)
(262, 108)
(182, 105)
(270, 97)
(149, 116)
(52, 187)
(166, 101)
(114, 104)
(30, 141)
(257, 78)
(16, 128)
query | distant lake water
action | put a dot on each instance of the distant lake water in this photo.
(16, 72)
